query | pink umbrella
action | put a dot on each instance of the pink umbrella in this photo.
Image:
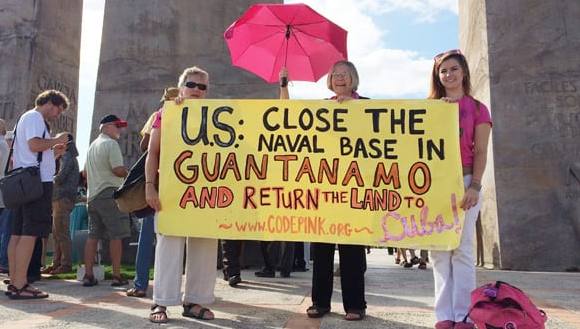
(268, 37)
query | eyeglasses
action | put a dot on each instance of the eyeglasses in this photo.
(444, 54)
(339, 75)
(191, 85)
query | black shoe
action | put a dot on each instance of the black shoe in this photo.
(265, 273)
(284, 274)
(234, 280)
(415, 260)
(299, 269)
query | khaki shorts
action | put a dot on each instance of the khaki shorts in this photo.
(105, 219)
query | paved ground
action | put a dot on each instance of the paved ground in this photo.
(397, 298)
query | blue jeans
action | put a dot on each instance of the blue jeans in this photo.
(5, 233)
(144, 254)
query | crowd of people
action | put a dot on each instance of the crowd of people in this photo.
(30, 224)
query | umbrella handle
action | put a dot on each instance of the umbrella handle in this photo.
(284, 82)
(287, 36)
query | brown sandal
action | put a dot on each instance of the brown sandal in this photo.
(158, 310)
(118, 281)
(30, 293)
(201, 314)
(134, 292)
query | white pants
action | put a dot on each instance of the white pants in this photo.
(454, 271)
(200, 270)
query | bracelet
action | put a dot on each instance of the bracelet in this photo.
(475, 185)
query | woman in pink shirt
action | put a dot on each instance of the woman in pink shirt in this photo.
(454, 271)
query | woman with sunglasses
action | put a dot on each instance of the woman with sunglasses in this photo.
(201, 262)
(343, 81)
(454, 271)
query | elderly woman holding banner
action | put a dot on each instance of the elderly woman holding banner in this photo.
(454, 271)
(200, 265)
(343, 81)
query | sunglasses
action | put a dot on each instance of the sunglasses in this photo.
(339, 75)
(439, 56)
(191, 85)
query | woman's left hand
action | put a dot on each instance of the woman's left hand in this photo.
(342, 98)
(470, 199)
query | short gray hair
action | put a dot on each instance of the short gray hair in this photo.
(352, 71)
(194, 70)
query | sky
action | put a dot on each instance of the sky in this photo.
(391, 42)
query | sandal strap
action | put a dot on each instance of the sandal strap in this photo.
(10, 289)
(156, 310)
(188, 308)
(160, 311)
(29, 289)
(202, 312)
(154, 306)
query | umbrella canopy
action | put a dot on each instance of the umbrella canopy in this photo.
(268, 37)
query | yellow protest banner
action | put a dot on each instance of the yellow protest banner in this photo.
(370, 172)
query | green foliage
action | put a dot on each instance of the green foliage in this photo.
(127, 271)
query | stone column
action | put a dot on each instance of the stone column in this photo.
(40, 49)
(523, 62)
(146, 44)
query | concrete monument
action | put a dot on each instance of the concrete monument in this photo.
(146, 44)
(524, 65)
(40, 49)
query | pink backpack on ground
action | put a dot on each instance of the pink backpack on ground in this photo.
(500, 305)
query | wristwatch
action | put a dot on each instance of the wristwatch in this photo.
(476, 186)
